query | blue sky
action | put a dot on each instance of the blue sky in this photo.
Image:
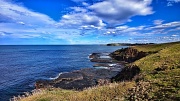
(88, 21)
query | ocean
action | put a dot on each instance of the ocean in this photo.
(21, 66)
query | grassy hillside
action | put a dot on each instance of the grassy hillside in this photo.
(162, 70)
(158, 80)
(154, 47)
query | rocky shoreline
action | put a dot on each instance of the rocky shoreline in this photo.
(109, 67)
(139, 74)
(104, 70)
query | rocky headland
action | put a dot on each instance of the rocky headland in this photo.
(146, 72)
(105, 68)
(108, 67)
(128, 54)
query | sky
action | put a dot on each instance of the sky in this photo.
(61, 22)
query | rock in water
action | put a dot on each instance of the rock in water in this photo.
(81, 79)
(87, 77)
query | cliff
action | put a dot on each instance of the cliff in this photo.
(128, 54)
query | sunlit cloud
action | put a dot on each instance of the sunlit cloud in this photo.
(88, 22)
(120, 11)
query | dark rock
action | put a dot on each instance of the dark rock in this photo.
(162, 68)
(128, 55)
(127, 73)
(94, 55)
(101, 65)
(81, 79)
(69, 77)
(43, 84)
(87, 77)
(75, 84)
(102, 60)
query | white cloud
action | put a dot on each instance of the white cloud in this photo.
(110, 11)
(85, 4)
(76, 20)
(119, 11)
(22, 23)
(172, 2)
(17, 21)
(174, 35)
(78, 0)
(167, 25)
(176, 1)
(21, 14)
(79, 9)
(158, 22)
(122, 27)
(92, 19)
(2, 34)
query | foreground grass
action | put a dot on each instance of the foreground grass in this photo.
(111, 92)
(158, 80)
(162, 70)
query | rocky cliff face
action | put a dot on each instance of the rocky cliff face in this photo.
(89, 77)
(128, 55)
(127, 73)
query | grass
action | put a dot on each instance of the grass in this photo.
(111, 92)
(160, 69)
(51, 94)
(168, 58)
(154, 47)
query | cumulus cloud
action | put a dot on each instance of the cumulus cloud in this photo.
(24, 23)
(80, 17)
(119, 11)
(77, 20)
(21, 14)
(100, 19)
(106, 12)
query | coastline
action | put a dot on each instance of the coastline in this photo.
(104, 65)
(102, 72)
(106, 70)
(41, 62)
(139, 79)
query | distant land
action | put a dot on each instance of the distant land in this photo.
(127, 44)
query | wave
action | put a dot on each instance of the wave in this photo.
(101, 67)
(57, 76)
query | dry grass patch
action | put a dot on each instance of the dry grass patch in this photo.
(111, 92)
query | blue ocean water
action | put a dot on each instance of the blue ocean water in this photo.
(21, 66)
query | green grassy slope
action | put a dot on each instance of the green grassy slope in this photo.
(162, 70)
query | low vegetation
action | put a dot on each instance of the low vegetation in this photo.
(162, 71)
(158, 79)
(114, 91)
